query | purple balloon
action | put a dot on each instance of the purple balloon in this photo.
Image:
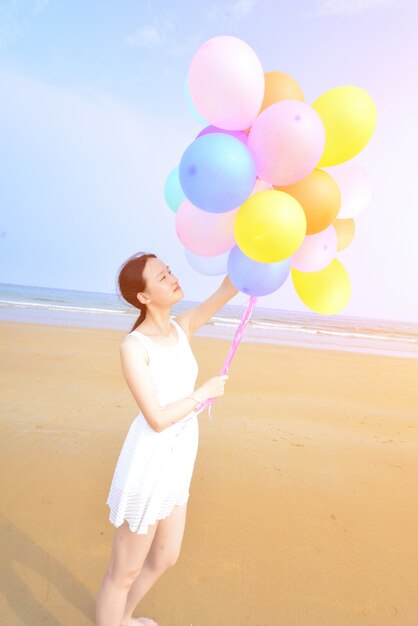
(239, 134)
(256, 278)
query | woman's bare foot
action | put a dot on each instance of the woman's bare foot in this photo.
(140, 621)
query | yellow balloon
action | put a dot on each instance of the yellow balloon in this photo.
(270, 226)
(349, 117)
(327, 291)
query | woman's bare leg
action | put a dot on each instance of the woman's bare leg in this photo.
(129, 551)
(163, 553)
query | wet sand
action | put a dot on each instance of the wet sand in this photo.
(303, 506)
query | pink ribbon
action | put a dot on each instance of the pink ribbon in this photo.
(235, 343)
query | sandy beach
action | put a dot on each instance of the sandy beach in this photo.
(303, 506)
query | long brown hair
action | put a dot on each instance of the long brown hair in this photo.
(131, 281)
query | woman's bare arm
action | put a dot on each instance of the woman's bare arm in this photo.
(134, 362)
(194, 318)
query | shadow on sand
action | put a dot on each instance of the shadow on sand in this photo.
(17, 546)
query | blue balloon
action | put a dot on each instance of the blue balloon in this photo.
(253, 277)
(173, 193)
(208, 265)
(217, 172)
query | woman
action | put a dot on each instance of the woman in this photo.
(150, 487)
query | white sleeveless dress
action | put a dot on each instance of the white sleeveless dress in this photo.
(154, 469)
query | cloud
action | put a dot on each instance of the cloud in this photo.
(145, 37)
(17, 17)
(162, 35)
(167, 33)
(40, 6)
(155, 35)
(231, 11)
(240, 9)
(187, 46)
(11, 27)
(347, 7)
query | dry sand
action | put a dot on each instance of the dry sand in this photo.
(303, 507)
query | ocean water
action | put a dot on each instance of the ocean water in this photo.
(21, 303)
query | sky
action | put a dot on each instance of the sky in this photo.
(93, 118)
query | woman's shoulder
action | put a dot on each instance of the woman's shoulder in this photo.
(133, 341)
(182, 322)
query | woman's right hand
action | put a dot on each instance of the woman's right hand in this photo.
(212, 388)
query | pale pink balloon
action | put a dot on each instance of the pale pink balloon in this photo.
(316, 251)
(226, 82)
(260, 185)
(287, 141)
(355, 188)
(205, 233)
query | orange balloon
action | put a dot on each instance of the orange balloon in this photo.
(280, 86)
(345, 232)
(320, 197)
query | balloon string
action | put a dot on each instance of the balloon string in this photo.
(235, 343)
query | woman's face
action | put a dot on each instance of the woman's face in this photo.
(162, 286)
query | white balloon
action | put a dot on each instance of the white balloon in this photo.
(208, 265)
(355, 188)
(316, 251)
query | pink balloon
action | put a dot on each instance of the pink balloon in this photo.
(287, 141)
(205, 233)
(239, 134)
(316, 251)
(226, 82)
(260, 185)
(355, 188)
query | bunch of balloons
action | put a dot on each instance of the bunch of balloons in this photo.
(268, 188)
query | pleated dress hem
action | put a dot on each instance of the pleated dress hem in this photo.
(142, 528)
